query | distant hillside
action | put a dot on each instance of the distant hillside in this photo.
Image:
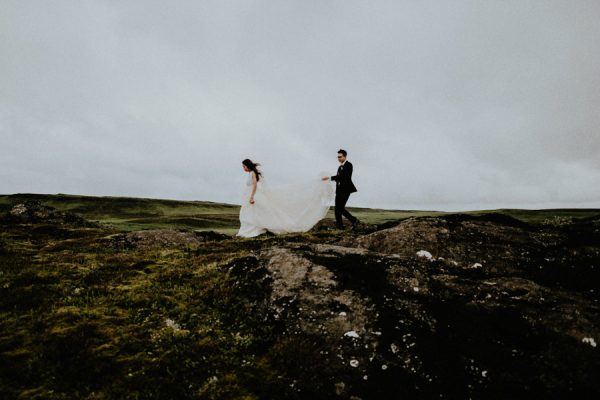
(131, 213)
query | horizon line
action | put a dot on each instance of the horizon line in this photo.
(353, 207)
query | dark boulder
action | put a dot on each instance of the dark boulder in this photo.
(34, 212)
(161, 238)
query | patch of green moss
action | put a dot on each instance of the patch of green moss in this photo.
(81, 320)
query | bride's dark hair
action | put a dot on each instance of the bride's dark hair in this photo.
(253, 167)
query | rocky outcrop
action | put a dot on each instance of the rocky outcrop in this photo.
(34, 212)
(161, 238)
(438, 308)
(462, 239)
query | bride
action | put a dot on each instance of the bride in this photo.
(283, 208)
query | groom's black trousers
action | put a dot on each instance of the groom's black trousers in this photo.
(341, 198)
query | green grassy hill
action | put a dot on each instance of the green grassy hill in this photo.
(130, 213)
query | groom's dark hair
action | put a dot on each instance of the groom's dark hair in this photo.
(340, 151)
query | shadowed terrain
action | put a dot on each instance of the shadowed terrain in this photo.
(140, 298)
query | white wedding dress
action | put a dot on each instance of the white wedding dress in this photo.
(284, 208)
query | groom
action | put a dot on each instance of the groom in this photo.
(343, 188)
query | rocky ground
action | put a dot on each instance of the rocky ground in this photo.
(447, 307)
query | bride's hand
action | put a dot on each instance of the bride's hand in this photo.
(325, 178)
(251, 200)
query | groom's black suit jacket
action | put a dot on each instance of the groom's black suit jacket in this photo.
(343, 179)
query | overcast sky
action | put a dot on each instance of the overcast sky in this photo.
(447, 105)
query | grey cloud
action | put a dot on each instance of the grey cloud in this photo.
(446, 105)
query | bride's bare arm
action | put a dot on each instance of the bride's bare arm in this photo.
(253, 187)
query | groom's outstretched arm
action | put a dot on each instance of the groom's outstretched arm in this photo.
(345, 175)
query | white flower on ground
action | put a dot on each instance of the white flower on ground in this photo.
(476, 265)
(589, 340)
(424, 254)
(351, 334)
(172, 324)
(354, 363)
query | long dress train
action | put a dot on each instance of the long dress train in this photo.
(284, 208)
